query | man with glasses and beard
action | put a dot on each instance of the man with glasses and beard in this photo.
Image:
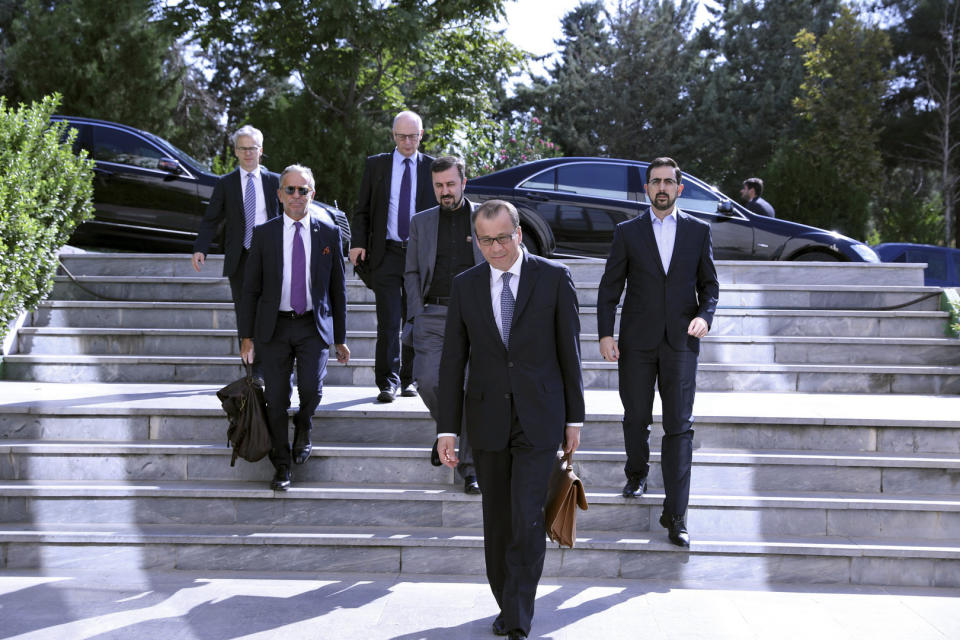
(665, 257)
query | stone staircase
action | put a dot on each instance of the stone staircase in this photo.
(827, 435)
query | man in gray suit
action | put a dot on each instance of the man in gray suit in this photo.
(441, 246)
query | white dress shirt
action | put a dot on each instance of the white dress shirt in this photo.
(258, 187)
(665, 233)
(397, 177)
(289, 232)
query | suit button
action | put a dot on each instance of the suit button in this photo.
(510, 364)
(507, 396)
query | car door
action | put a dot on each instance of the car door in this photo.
(582, 202)
(731, 231)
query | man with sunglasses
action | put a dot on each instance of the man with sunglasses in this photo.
(395, 186)
(294, 306)
(241, 200)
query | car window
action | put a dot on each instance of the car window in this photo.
(936, 262)
(602, 180)
(546, 181)
(696, 198)
(577, 218)
(112, 145)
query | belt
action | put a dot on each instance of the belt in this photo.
(444, 300)
(294, 315)
(397, 243)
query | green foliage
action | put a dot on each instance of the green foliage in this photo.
(908, 209)
(950, 302)
(45, 192)
(494, 146)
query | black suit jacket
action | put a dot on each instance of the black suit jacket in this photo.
(369, 226)
(226, 206)
(761, 207)
(658, 304)
(263, 280)
(540, 373)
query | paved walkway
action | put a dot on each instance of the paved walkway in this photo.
(221, 606)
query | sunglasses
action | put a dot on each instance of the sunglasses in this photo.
(301, 190)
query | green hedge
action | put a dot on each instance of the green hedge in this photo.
(45, 192)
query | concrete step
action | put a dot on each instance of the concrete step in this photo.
(824, 378)
(583, 270)
(714, 470)
(729, 349)
(362, 317)
(758, 560)
(439, 505)
(767, 296)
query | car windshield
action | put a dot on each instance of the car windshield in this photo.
(180, 155)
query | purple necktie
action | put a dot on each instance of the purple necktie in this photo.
(249, 211)
(298, 276)
(403, 206)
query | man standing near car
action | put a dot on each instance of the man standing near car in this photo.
(242, 199)
(395, 186)
(294, 306)
(441, 245)
(665, 258)
(514, 322)
(750, 194)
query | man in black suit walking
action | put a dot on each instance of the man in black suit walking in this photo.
(514, 321)
(294, 306)
(750, 194)
(242, 199)
(395, 186)
(666, 260)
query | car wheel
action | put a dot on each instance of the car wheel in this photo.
(816, 256)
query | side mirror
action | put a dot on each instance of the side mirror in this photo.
(725, 207)
(170, 166)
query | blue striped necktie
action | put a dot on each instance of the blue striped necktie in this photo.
(249, 211)
(506, 308)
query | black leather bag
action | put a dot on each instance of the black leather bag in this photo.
(248, 433)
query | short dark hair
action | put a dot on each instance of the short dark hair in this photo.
(756, 184)
(443, 163)
(664, 162)
(491, 209)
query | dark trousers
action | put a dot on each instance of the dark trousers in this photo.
(295, 340)
(514, 485)
(675, 373)
(390, 369)
(236, 291)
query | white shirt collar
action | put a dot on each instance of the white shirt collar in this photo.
(255, 173)
(672, 214)
(288, 221)
(496, 274)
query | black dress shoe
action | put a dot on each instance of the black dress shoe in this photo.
(281, 479)
(471, 486)
(634, 487)
(499, 628)
(387, 394)
(301, 445)
(676, 529)
(409, 391)
(516, 634)
(435, 455)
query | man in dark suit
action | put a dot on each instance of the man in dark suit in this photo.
(395, 186)
(750, 194)
(241, 200)
(666, 259)
(514, 322)
(294, 306)
(441, 246)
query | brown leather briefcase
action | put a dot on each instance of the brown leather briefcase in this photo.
(564, 494)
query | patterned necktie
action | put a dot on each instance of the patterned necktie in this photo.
(403, 206)
(506, 308)
(249, 211)
(298, 277)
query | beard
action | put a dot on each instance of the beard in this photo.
(447, 203)
(663, 202)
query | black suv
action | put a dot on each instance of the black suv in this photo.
(148, 195)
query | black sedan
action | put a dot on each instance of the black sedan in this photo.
(149, 195)
(570, 206)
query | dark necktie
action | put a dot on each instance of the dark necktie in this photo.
(506, 308)
(249, 210)
(298, 277)
(403, 206)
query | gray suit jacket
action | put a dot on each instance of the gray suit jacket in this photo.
(422, 257)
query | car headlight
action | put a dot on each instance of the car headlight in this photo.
(865, 252)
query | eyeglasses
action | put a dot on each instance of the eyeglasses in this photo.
(667, 182)
(301, 190)
(502, 240)
(247, 149)
(406, 137)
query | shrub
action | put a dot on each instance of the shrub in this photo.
(45, 192)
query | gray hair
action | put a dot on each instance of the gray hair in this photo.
(298, 168)
(247, 130)
(492, 208)
(408, 114)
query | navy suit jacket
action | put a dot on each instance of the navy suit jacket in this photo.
(539, 374)
(368, 229)
(263, 280)
(658, 304)
(761, 207)
(226, 207)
